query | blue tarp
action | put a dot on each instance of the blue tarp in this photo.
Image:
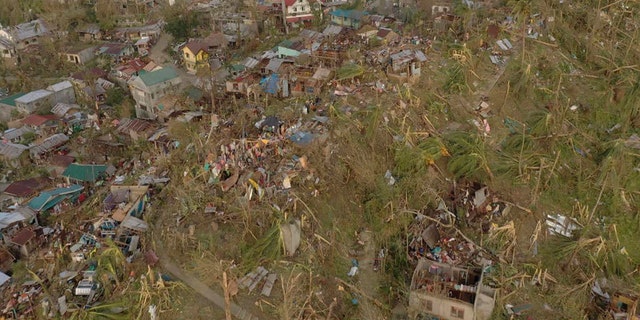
(271, 84)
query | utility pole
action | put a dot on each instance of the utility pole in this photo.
(284, 17)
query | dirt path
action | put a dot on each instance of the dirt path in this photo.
(215, 296)
(202, 289)
(368, 278)
(158, 52)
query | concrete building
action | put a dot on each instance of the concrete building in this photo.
(62, 92)
(35, 100)
(79, 55)
(446, 292)
(148, 88)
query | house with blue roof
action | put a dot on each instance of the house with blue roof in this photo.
(50, 198)
(149, 87)
(347, 18)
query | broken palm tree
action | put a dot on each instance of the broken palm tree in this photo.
(503, 238)
(349, 71)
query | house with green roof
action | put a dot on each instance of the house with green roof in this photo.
(78, 173)
(7, 105)
(149, 87)
(50, 198)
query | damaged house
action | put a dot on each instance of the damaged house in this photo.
(446, 292)
(406, 63)
(124, 201)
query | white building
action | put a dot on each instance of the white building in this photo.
(298, 11)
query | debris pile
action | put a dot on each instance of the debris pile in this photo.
(475, 202)
(431, 241)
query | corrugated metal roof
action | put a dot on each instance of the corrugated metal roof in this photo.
(23, 236)
(60, 109)
(35, 28)
(274, 65)
(12, 151)
(159, 76)
(9, 218)
(25, 188)
(16, 133)
(84, 172)
(37, 120)
(11, 100)
(49, 144)
(48, 199)
(250, 62)
(136, 125)
(332, 30)
(34, 96)
(60, 86)
(420, 56)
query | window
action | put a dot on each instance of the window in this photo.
(186, 55)
(457, 312)
(428, 305)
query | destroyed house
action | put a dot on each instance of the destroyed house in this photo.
(446, 292)
(132, 225)
(125, 201)
(6, 260)
(407, 63)
(241, 84)
(48, 145)
(11, 223)
(50, 198)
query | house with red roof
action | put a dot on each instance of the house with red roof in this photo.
(20, 191)
(41, 123)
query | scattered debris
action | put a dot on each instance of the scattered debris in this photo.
(559, 224)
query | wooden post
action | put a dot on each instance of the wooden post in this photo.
(227, 299)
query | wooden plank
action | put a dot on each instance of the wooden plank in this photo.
(268, 285)
(262, 273)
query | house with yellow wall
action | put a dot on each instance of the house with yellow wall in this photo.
(195, 55)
